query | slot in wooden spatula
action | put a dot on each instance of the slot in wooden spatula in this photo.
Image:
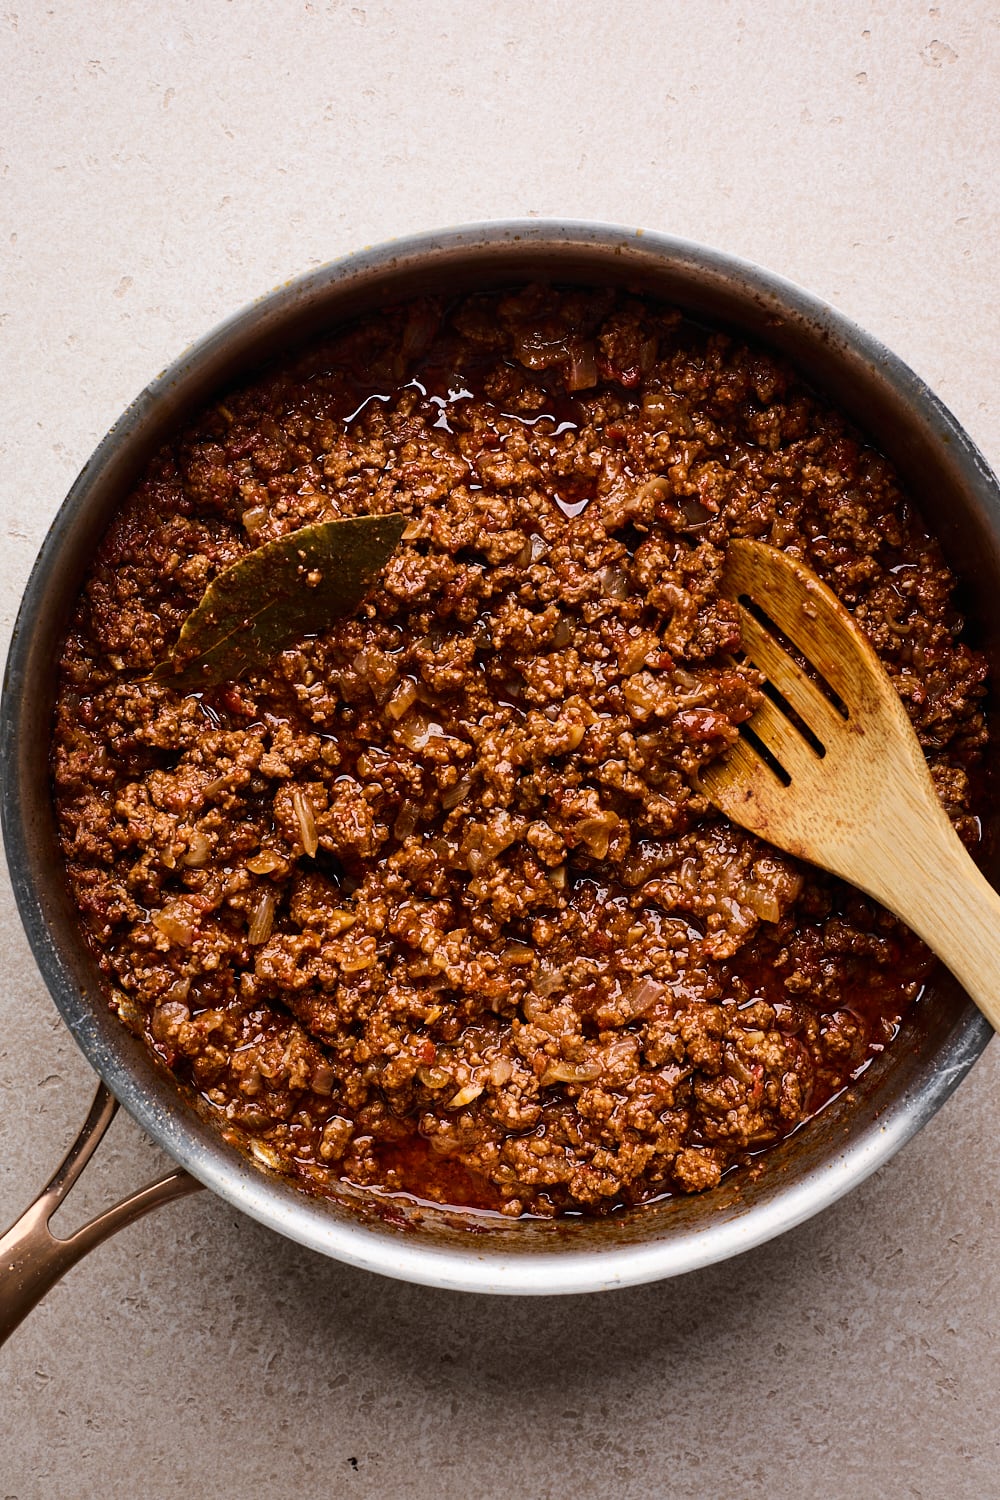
(830, 770)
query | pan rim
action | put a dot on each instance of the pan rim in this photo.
(477, 1266)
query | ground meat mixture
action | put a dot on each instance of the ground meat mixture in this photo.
(432, 903)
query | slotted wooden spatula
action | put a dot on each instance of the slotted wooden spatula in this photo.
(830, 770)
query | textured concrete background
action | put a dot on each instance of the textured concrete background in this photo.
(160, 165)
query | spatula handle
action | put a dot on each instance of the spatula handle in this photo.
(934, 885)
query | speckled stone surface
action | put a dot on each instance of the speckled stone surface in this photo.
(159, 166)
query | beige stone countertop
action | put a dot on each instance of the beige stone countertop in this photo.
(160, 165)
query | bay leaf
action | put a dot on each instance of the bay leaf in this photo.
(277, 595)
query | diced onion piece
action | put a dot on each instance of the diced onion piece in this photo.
(478, 848)
(596, 832)
(377, 671)
(457, 793)
(359, 956)
(536, 349)
(694, 512)
(198, 851)
(130, 1011)
(643, 994)
(433, 1078)
(519, 953)
(641, 694)
(265, 863)
(547, 980)
(739, 1067)
(501, 1071)
(763, 903)
(656, 489)
(262, 920)
(339, 921)
(567, 1072)
(465, 1096)
(582, 372)
(584, 713)
(176, 922)
(417, 730)
(406, 819)
(167, 1017)
(306, 819)
(614, 581)
(402, 699)
(323, 1078)
(266, 1154)
(254, 518)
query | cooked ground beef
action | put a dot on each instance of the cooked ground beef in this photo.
(432, 902)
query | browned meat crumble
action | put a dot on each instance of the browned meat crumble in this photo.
(431, 904)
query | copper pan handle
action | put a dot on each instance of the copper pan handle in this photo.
(32, 1258)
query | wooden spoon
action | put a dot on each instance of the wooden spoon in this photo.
(829, 769)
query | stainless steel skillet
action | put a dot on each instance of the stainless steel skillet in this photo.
(853, 1136)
